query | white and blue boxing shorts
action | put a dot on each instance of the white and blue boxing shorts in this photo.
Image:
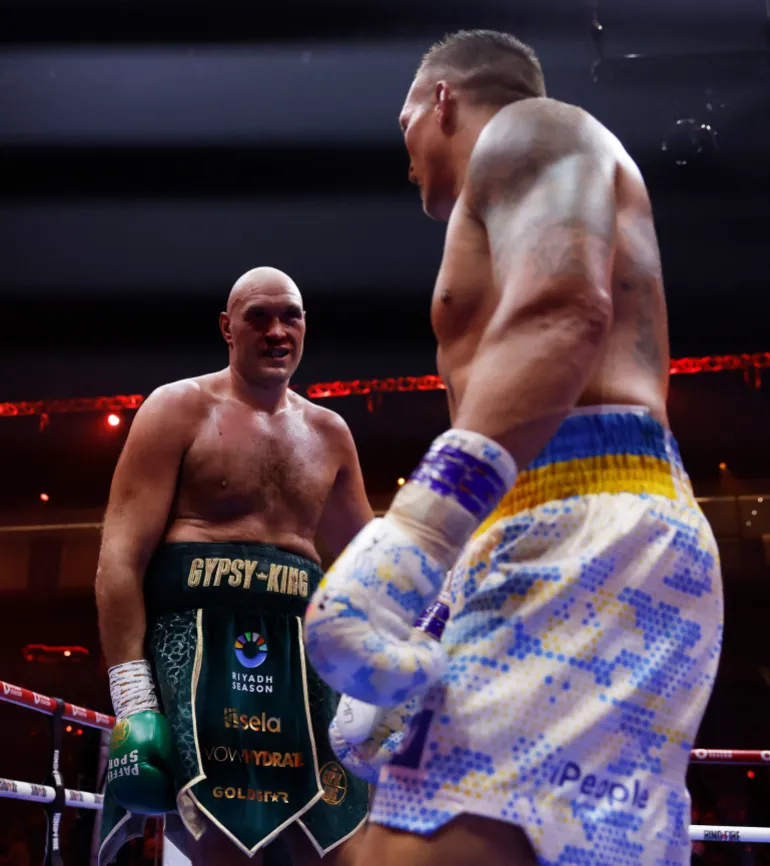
(584, 640)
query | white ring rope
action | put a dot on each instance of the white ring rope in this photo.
(704, 833)
(84, 800)
(43, 794)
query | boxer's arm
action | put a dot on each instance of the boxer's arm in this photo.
(141, 496)
(544, 188)
(347, 508)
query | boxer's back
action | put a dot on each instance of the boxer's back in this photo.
(635, 364)
(250, 475)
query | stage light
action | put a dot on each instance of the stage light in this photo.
(80, 732)
(39, 652)
(68, 729)
(113, 420)
(751, 774)
(689, 142)
(723, 466)
(401, 482)
(44, 497)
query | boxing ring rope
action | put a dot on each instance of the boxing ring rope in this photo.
(55, 798)
(739, 757)
(744, 835)
(72, 713)
(21, 697)
(13, 790)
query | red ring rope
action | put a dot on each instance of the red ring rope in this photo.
(34, 701)
(746, 757)
(73, 713)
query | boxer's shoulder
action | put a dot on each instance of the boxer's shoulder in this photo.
(187, 395)
(525, 138)
(181, 404)
(546, 122)
(165, 426)
(534, 141)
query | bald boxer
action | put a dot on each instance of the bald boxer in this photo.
(208, 560)
(558, 713)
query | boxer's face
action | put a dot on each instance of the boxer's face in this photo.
(265, 331)
(426, 121)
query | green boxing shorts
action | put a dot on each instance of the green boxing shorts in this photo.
(248, 714)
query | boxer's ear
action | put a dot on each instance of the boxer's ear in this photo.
(445, 106)
(224, 327)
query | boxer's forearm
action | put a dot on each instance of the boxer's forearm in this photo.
(529, 372)
(122, 620)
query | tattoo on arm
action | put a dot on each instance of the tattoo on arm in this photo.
(647, 347)
(545, 191)
(562, 250)
(641, 279)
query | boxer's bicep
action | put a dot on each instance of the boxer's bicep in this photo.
(145, 478)
(141, 495)
(544, 189)
(347, 509)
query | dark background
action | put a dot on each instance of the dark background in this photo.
(150, 152)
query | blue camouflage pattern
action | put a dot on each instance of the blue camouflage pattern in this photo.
(583, 644)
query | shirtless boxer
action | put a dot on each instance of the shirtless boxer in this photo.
(207, 562)
(586, 617)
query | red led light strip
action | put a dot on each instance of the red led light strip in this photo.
(746, 363)
(77, 404)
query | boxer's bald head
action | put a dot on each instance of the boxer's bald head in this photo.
(258, 281)
(264, 326)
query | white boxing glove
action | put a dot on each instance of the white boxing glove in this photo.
(356, 721)
(366, 758)
(358, 624)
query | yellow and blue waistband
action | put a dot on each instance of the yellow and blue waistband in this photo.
(600, 452)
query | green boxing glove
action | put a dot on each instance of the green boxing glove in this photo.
(139, 768)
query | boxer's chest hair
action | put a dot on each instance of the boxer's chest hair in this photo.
(245, 463)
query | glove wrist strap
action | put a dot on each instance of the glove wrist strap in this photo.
(455, 488)
(132, 688)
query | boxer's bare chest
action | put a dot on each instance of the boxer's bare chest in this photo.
(276, 469)
(464, 299)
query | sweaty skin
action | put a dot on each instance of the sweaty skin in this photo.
(549, 297)
(632, 366)
(550, 293)
(263, 476)
(230, 456)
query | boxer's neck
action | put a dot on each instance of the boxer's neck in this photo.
(470, 127)
(269, 397)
